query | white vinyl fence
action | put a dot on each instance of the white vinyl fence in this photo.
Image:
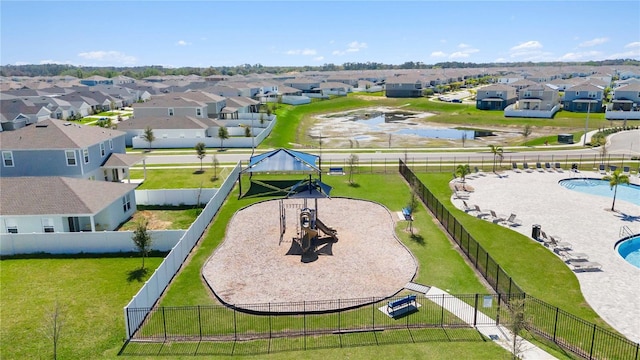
(157, 283)
(511, 111)
(174, 197)
(85, 242)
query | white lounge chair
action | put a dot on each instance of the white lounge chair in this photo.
(525, 167)
(557, 167)
(512, 221)
(496, 218)
(514, 167)
(585, 265)
(539, 167)
(602, 169)
(479, 213)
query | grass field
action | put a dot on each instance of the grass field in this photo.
(180, 178)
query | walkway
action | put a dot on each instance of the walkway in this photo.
(500, 334)
(582, 220)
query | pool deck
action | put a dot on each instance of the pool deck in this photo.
(586, 221)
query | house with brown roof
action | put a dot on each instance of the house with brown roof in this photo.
(50, 204)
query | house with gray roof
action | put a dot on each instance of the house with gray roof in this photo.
(404, 86)
(625, 104)
(170, 105)
(17, 113)
(166, 128)
(59, 148)
(535, 101)
(495, 97)
(583, 98)
(96, 80)
(50, 204)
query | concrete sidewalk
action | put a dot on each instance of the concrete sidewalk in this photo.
(498, 333)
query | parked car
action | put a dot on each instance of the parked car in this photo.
(456, 101)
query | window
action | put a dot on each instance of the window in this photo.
(102, 149)
(7, 158)
(126, 203)
(577, 93)
(170, 111)
(593, 95)
(499, 93)
(85, 155)
(110, 144)
(47, 225)
(527, 94)
(71, 157)
(199, 112)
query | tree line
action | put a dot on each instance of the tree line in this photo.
(139, 72)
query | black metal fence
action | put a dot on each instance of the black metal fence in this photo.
(566, 330)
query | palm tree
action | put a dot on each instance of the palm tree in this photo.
(615, 179)
(463, 170)
(497, 152)
(222, 134)
(201, 152)
(148, 136)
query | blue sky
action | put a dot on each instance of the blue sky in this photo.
(298, 33)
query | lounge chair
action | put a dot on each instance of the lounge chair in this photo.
(539, 167)
(569, 256)
(462, 195)
(512, 221)
(479, 172)
(526, 168)
(585, 265)
(545, 239)
(479, 213)
(514, 167)
(602, 169)
(557, 243)
(496, 218)
(547, 166)
(574, 168)
(466, 207)
(612, 168)
(626, 170)
(557, 167)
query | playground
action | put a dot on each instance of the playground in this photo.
(306, 246)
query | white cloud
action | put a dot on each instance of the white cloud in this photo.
(463, 46)
(499, 60)
(632, 45)
(631, 54)
(319, 58)
(353, 46)
(438, 54)
(529, 45)
(182, 43)
(49, 61)
(458, 55)
(577, 56)
(305, 52)
(110, 57)
(356, 46)
(594, 42)
(465, 52)
(443, 41)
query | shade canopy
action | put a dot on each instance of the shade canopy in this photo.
(282, 160)
(309, 189)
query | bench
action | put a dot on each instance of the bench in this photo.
(404, 302)
(406, 212)
(336, 171)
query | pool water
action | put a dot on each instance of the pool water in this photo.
(626, 192)
(630, 250)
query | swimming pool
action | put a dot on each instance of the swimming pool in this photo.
(630, 250)
(626, 192)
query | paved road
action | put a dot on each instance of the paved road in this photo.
(623, 143)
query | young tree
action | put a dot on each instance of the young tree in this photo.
(148, 136)
(142, 239)
(615, 179)
(517, 324)
(201, 152)
(262, 118)
(462, 171)
(352, 162)
(526, 131)
(52, 328)
(223, 134)
(214, 165)
(247, 131)
(497, 153)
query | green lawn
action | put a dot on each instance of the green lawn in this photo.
(91, 293)
(180, 178)
(165, 218)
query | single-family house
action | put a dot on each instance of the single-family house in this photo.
(215, 103)
(403, 86)
(239, 105)
(166, 128)
(59, 148)
(335, 88)
(538, 97)
(495, 97)
(307, 85)
(18, 113)
(170, 105)
(96, 80)
(583, 98)
(625, 104)
(49, 204)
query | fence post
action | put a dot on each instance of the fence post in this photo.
(498, 278)
(235, 325)
(475, 311)
(373, 315)
(498, 310)
(555, 324)
(164, 324)
(593, 338)
(270, 327)
(304, 323)
(510, 281)
(442, 312)
(200, 322)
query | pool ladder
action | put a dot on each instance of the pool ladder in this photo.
(625, 231)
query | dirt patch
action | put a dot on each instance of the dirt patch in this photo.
(153, 220)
